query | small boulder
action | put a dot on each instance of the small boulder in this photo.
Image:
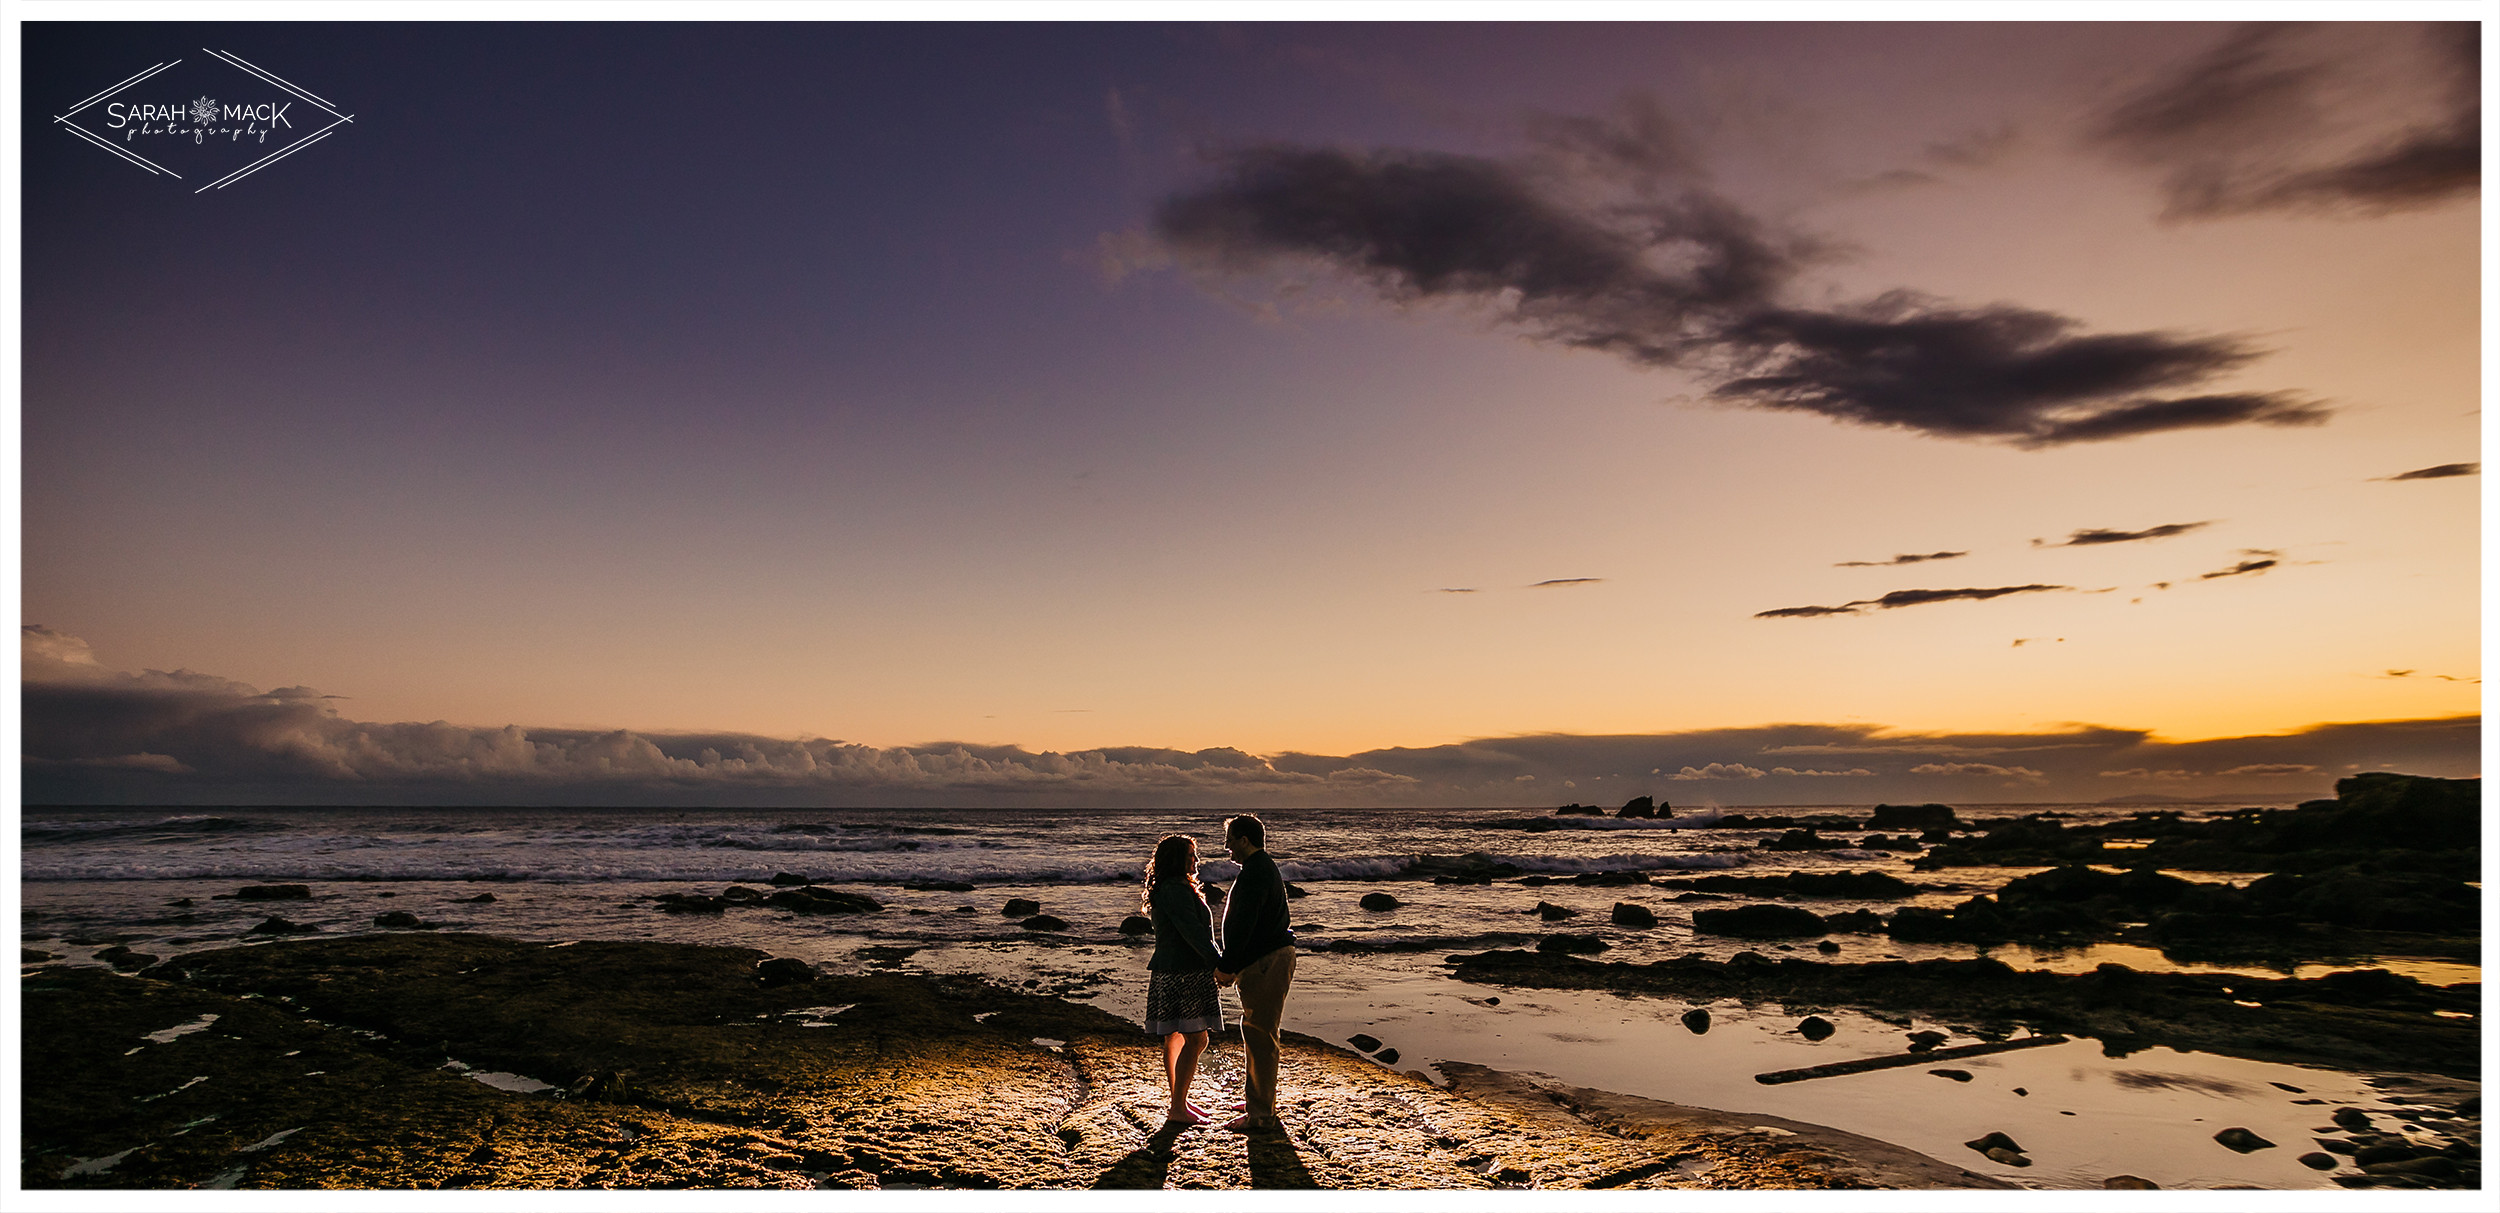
(273, 892)
(1828, 948)
(2242, 1141)
(1293, 890)
(1137, 924)
(123, 959)
(1925, 1040)
(1386, 1057)
(1626, 914)
(689, 903)
(1955, 1075)
(1364, 1042)
(1020, 907)
(1996, 1141)
(740, 895)
(1550, 912)
(1815, 1027)
(1535, 882)
(1044, 922)
(783, 971)
(2318, 1161)
(274, 925)
(814, 900)
(33, 956)
(1697, 1020)
(396, 918)
(938, 886)
(784, 880)
(479, 900)
(2129, 1183)
(2351, 1120)
(2008, 1157)
(1379, 901)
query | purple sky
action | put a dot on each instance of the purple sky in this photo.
(1144, 389)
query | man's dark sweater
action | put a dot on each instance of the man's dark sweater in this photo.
(1255, 922)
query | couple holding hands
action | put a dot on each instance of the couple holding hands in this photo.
(1250, 948)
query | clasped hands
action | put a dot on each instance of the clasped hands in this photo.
(1225, 979)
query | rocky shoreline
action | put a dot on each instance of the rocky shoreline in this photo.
(468, 1061)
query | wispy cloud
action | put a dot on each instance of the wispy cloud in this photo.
(2439, 472)
(1905, 598)
(1557, 581)
(1719, 770)
(2241, 569)
(1906, 558)
(1977, 768)
(2332, 118)
(2094, 536)
(1607, 239)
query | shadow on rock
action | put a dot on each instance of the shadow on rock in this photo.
(1274, 1163)
(1146, 1166)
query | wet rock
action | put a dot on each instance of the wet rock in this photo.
(1550, 912)
(1758, 922)
(182, 903)
(1625, 914)
(1854, 922)
(784, 971)
(1697, 1020)
(1364, 1042)
(1044, 922)
(479, 900)
(2368, 1154)
(1387, 1057)
(274, 925)
(2242, 1141)
(2429, 1166)
(2336, 1145)
(938, 886)
(1020, 907)
(1535, 882)
(1925, 1040)
(1379, 901)
(2008, 1157)
(690, 903)
(1137, 924)
(1571, 944)
(1802, 840)
(1913, 817)
(814, 900)
(2129, 1183)
(784, 880)
(1828, 948)
(2285, 1086)
(396, 918)
(268, 892)
(1996, 1141)
(1955, 1075)
(2022, 1091)
(1857, 886)
(29, 956)
(2317, 1161)
(124, 959)
(1293, 891)
(2352, 1120)
(1815, 1027)
(1753, 961)
(740, 895)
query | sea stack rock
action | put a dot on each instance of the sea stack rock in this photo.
(1625, 914)
(1020, 907)
(1638, 806)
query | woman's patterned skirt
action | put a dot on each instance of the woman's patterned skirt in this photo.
(1182, 1001)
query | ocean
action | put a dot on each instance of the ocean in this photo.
(159, 882)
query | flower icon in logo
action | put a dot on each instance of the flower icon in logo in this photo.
(203, 111)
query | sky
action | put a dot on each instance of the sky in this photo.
(1248, 413)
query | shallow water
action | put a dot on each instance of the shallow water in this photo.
(93, 878)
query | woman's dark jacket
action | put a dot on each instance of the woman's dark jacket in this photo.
(1184, 931)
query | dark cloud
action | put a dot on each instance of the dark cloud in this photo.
(2243, 567)
(95, 735)
(1458, 589)
(2329, 119)
(1566, 581)
(1608, 242)
(2440, 472)
(1907, 558)
(2094, 536)
(1903, 598)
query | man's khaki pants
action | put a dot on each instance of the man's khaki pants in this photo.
(1263, 986)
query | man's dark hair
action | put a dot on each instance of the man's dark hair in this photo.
(1247, 828)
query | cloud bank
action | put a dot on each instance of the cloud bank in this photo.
(1905, 558)
(1608, 240)
(97, 735)
(2095, 536)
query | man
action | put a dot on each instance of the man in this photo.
(1256, 942)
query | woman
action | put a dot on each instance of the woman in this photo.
(1181, 1004)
